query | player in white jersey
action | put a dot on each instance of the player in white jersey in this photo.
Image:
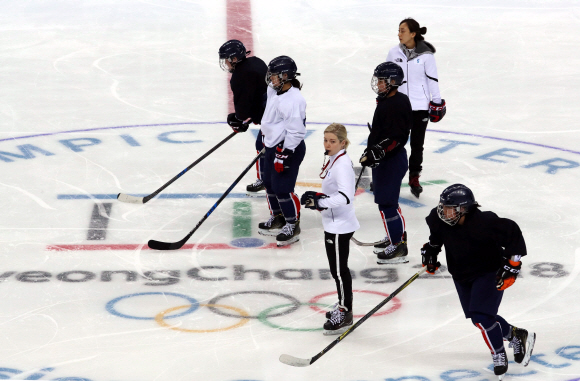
(417, 59)
(336, 204)
(284, 129)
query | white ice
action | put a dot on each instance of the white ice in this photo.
(509, 71)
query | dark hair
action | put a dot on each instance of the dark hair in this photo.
(296, 83)
(414, 27)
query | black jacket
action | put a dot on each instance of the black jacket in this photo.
(248, 83)
(393, 121)
(477, 246)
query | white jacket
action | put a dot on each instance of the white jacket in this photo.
(284, 118)
(338, 185)
(421, 83)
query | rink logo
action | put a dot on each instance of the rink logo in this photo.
(377, 275)
(532, 156)
(563, 357)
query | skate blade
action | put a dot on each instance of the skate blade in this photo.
(286, 243)
(378, 251)
(529, 348)
(392, 261)
(271, 233)
(261, 194)
(340, 331)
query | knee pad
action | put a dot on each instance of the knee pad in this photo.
(486, 321)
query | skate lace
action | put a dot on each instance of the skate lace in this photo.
(499, 359)
(337, 316)
(288, 229)
(391, 248)
(257, 183)
(270, 221)
(516, 344)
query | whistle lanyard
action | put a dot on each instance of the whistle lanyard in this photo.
(326, 167)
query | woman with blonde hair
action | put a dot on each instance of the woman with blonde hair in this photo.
(336, 204)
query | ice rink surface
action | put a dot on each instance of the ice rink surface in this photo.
(102, 97)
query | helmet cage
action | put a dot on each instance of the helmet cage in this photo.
(225, 67)
(375, 85)
(281, 80)
(460, 211)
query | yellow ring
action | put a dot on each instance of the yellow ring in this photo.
(159, 319)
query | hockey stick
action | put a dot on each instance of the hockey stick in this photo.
(158, 245)
(295, 361)
(142, 200)
(359, 243)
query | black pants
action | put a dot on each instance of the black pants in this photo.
(338, 262)
(420, 120)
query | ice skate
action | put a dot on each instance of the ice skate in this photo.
(255, 189)
(379, 248)
(334, 307)
(289, 234)
(416, 188)
(339, 321)
(523, 344)
(272, 226)
(500, 364)
(394, 254)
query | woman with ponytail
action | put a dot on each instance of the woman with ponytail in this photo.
(421, 84)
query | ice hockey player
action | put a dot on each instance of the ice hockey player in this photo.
(249, 90)
(483, 253)
(417, 59)
(284, 129)
(336, 204)
(386, 155)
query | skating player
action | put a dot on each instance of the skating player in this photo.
(249, 89)
(284, 129)
(336, 204)
(483, 254)
(386, 155)
(421, 84)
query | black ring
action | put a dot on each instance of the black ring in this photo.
(296, 303)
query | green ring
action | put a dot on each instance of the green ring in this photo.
(263, 317)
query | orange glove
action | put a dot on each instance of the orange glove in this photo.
(507, 274)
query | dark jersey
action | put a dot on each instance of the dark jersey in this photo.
(392, 120)
(248, 83)
(477, 246)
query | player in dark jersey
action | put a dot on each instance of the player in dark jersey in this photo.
(249, 89)
(386, 155)
(483, 253)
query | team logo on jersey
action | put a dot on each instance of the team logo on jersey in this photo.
(418, 60)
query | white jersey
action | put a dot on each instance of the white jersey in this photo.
(421, 83)
(284, 118)
(338, 185)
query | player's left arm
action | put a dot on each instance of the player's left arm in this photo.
(509, 236)
(437, 106)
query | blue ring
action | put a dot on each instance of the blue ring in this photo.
(111, 305)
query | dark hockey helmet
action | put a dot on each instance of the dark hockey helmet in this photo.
(390, 72)
(284, 68)
(228, 51)
(460, 198)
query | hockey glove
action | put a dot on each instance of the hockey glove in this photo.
(372, 156)
(236, 124)
(437, 111)
(429, 258)
(507, 273)
(282, 160)
(310, 200)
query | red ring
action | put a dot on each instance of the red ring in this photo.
(395, 306)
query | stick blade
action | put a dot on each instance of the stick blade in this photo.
(129, 199)
(294, 361)
(158, 245)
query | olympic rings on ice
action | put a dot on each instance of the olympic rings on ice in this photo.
(244, 317)
(111, 305)
(293, 307)
(396, 303)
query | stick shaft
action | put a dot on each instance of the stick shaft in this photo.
(147, 198)
(368, 315)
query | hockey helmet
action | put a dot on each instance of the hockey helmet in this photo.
(228, 51)
(460, 198)
(284, 68)
(387, 71)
